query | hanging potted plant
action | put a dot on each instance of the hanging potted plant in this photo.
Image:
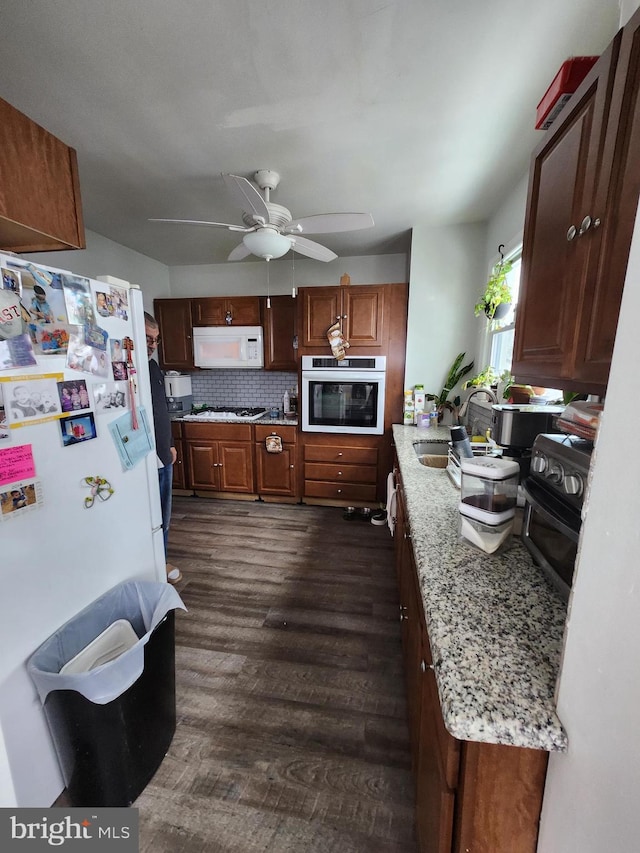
(496, 299)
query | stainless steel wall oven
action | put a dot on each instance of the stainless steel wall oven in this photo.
(345, 396)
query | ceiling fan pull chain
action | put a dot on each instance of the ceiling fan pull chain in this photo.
(293, 272)
(268, 297)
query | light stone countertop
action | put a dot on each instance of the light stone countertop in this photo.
(266, 421)
(495, 623)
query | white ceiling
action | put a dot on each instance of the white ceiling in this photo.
(413, 110)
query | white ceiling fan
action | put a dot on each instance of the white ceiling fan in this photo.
(269, 229)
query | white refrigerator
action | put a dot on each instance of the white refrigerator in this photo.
(65, 536)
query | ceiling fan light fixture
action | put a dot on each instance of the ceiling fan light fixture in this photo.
(267, 243)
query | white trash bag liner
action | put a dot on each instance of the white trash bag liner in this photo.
(144, 604)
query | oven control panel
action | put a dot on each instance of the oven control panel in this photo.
(562, 462)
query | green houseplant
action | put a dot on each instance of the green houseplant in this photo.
(456, 372)
(497, 292)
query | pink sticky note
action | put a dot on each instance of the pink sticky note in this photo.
(16, 463)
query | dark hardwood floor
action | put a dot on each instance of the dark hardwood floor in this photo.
(291, 732)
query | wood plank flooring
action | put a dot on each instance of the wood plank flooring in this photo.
(291, 732)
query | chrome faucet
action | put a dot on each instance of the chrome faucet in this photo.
(491, 394)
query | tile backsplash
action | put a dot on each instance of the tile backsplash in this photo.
(241, 387)
(477, 419)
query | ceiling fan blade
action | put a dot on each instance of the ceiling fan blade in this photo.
(330, 223)
(200, 222)
(246, 196)
(312, 249)
(239, 253)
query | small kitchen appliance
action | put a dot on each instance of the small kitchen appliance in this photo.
(554, 495)
(514, 428)
(178, 392)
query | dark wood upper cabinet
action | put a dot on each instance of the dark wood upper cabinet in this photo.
(583, 195)
(359, 309)
(279, 324)
(213, 310)
(40, 208)
(175, 350)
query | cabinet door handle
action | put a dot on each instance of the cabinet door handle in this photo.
(596, 223)
(571, 233)
(340, 454)
(339, 491)
(290, 466)
(339, 473)
(584, 226)
(425, 666)
(345, 316)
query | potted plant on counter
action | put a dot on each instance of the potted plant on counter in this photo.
(442, 403)
(496, 299)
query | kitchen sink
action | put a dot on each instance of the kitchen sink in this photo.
(432, 454)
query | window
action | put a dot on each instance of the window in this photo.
(501, 332)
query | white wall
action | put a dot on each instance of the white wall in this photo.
(250, 278)
(104, 257)
(447, 269)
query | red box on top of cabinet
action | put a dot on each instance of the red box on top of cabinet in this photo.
(571, 74)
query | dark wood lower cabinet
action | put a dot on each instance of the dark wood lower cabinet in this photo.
(470, 797)
(219, 457)
(435, 802)
(276, 473)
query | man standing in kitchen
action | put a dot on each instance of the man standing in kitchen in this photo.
(165, 448)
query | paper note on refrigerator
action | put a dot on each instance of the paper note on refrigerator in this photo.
(16, 463)
(132, 444)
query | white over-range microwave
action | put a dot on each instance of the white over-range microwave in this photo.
(228, 346)
(345, 396)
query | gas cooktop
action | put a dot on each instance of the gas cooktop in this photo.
(227, 413)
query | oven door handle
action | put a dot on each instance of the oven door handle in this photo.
(551, 517)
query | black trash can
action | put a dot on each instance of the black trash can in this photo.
(112, 724)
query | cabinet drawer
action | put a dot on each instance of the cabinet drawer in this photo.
(342, 455)
(339, 491)
(216, 432)
(288, 434)
(336, 472)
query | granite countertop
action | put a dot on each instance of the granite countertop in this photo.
(495, 623)
(266, 421)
